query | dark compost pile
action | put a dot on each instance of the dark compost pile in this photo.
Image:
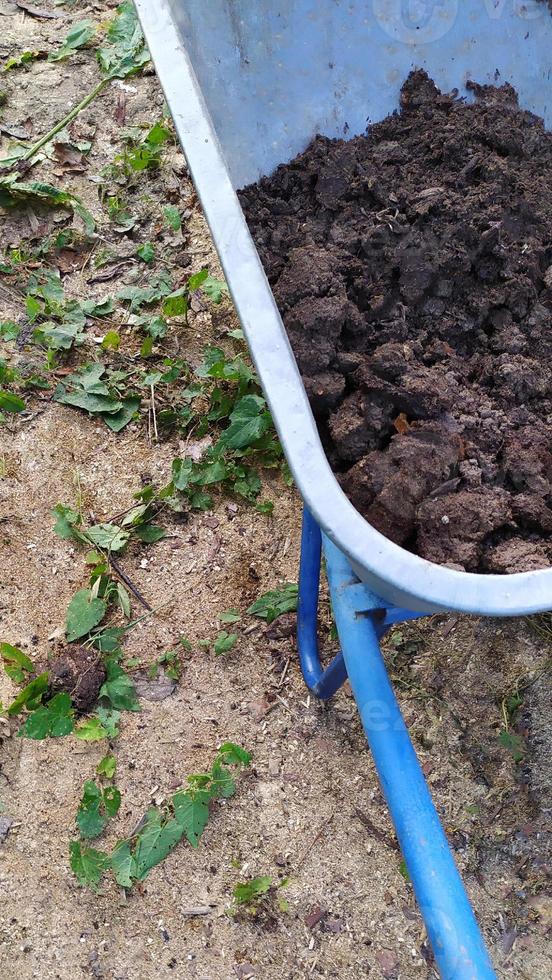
(413, 270)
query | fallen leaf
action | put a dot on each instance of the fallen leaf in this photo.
(68, 155)
(388, 962)
(402, 424)
(314, 917)
(120, 109)
(154, 689)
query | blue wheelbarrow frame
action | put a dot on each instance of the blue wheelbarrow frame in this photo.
(249, 83)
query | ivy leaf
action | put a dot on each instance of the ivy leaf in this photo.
(67, 521)
(9, 330)
(80, 34)
(87, 864)
(31, 695)
(53, 719)
(108, 536)
(234, 755)
(126, 53)
(222, 782)
(150, 533)
(231, 616)
(109, 718)
(156, 840)
(176, 304)
(91, 730)
(191, 813)
(172, 217)
(123, 865)
(13, 190)
(275, 602)
(225, 642)
(96, 808)
(107, 766)
(83, 614)
(248, 422)
(11, 403)
(247, 891)
(16, 663)
(215, 289)
(146, 252)
(117, 421)
(111, 800)
(90, 821)
(119, 689)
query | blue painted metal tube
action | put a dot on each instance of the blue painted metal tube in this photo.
(323, 683)
(455, 937)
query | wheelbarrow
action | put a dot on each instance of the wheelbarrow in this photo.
(249, 83)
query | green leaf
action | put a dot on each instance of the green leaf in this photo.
(125, 54)
(119, 689)
(176, 304)
(157, 839)
(97, 806)
(123, 865)
(111, 341)
(53, 719)
(108, 536)
(172, 217)
(123, 599)
(87, 864)
(91, 730)
(83, 614)
(150, 533)
(79, 35)
(109, 718)
(11, 403)
(31, 695)
(103, 404)
(67, 521)
(215, 289)
(146, 252)
(192, 815)
(234, 755)
(90, 821)
(246, 892)
(9, 330)
(225, 642)
(222, 782)
(275, 602)
(111, 800)
(13, 191)
(107, 766)
(248, 422)
(514, 743)
(126, 413)
(232, 616)
(16, 663)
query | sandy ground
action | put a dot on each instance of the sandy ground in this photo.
(310, 807)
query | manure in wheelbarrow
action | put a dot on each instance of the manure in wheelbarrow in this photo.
(413, 270)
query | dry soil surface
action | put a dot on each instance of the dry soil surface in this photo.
(309, 808)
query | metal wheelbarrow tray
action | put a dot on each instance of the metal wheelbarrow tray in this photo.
(249, 83)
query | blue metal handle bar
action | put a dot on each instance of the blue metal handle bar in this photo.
(361, 619)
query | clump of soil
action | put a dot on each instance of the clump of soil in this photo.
(81, 673)
(413, 270)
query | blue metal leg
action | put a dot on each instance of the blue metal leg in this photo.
(323, 683)
(455, 937)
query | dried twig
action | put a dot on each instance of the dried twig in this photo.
(128, 582)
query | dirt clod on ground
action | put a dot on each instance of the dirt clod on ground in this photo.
(413, 269)
(80, 672)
